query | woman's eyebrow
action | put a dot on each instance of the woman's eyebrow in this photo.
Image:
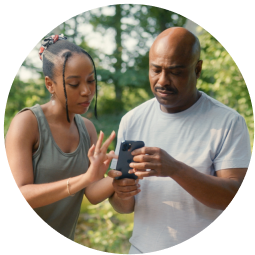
(73, 76)
(77, 76)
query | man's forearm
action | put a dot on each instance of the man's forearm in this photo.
(214, 192)
(122, 206)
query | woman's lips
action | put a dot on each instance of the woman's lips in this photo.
(85, 104)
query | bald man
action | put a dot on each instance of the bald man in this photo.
(197, 150)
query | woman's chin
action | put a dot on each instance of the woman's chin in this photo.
(83, 111)
(79, 111)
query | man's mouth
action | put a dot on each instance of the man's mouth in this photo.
(165, 90)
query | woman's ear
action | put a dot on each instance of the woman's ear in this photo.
(49, 84)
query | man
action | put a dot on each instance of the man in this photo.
(196, 148)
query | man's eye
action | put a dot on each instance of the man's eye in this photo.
(156, 71)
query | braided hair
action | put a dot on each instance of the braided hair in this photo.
(51, 47)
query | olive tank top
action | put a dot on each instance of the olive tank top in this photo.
(51, 164)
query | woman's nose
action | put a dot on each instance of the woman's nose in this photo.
(85, 90)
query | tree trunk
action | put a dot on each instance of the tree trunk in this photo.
(75, 28)
(118, 55)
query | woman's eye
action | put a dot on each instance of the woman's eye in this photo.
(74, 85)
(91, 81)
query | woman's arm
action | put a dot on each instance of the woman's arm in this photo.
(38, 195)
(20, 140)
(99, 191)
(102, 189)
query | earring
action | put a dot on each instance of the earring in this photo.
(52, 99)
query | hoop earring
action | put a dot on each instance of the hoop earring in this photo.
(52, 99)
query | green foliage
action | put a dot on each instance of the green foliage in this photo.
(23, 94)
(141, 23)
(100, 227)
(154, 20)
(222, 80)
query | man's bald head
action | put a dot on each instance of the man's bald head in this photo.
(179, 41)
(174, 67)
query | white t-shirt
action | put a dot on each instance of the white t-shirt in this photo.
(208, 136)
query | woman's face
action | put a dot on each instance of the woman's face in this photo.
(79, 82)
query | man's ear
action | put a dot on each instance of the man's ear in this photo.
(198, 68)
(49, 84)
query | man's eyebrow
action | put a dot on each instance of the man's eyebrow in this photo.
(169, 67)
(77, 76)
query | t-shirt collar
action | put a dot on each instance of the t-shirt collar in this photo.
(182, 113)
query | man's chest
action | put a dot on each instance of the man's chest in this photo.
(185, 140)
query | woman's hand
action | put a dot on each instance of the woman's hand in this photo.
(99, 159)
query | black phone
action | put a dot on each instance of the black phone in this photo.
(125, 158)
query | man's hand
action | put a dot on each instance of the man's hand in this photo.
(124, 188)
(157, 160)
(213, 191)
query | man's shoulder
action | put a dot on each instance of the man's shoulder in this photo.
(219, 108)
(140, 110)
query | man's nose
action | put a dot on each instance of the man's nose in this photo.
(164, 79)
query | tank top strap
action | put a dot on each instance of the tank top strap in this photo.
(44, 131)
(45, 135)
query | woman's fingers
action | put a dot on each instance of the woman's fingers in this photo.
(99, 142)
(114, 173)
(98, 148)
(115, 155)
(91, 151)
(107, 142)
(111, 156)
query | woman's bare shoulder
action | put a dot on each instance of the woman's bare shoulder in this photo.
(91, 130)
(24, 125)
(88, 123)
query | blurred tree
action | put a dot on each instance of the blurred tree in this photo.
(222, 80)
(21, 95)
(137, 24)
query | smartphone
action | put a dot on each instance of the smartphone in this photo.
(125, 158)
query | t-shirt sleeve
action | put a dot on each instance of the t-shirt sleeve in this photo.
(235, 151)
(120, 137)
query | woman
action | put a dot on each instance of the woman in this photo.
(57, 139)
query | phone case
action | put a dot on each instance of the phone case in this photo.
(125, 158)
